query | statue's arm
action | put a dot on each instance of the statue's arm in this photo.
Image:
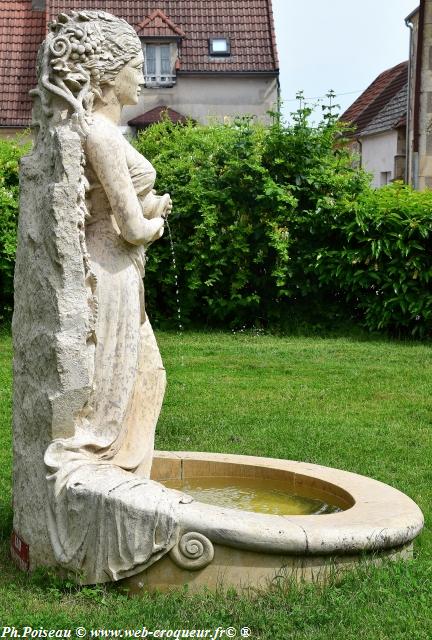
(106, 153)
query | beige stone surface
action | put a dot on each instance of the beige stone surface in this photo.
(89, 380)
(420, 162)
(212, 98)
(51, 313)
(247, 569)
(378, 522)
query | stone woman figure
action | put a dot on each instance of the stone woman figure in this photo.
(94, 213)
(124, 216)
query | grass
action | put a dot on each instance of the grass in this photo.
(360, 405)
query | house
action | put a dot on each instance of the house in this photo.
(21, 32)
(419, 129)
(378, 119)
(377, 152)
(204, 59)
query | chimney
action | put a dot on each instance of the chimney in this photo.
(38, 5)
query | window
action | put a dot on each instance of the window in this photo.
(219, 47)
(385, 178)
(159, 67)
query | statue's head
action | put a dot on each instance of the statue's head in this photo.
(85, 52)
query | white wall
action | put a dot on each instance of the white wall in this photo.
(378, 155)
(204, 98)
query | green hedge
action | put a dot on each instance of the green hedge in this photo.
(10, 154)
(385, 262)
(252, 205)
(271, 225)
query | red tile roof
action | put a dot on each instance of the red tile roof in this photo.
(156, 115)
(247, 23)
(377, 95)
(21, 32)
(158, 25)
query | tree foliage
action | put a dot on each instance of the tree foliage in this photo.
(385, 262)
(271, 225)
(10, 154)
(252, 206)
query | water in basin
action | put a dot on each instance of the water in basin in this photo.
(251, 494)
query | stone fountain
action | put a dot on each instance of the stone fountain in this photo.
(90, 495)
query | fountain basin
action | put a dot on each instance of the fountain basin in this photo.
(232, 547)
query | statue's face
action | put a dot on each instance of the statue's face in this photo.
(128, 82)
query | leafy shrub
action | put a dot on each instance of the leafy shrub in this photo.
(251, 205)
(228, 222)
(271, 225)
(385, 262)
(318, 168)
(10, 153)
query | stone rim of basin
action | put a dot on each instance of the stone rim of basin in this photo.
(381, 517)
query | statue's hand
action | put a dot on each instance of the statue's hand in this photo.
(155, 229)
(168, 208)
(155, 206)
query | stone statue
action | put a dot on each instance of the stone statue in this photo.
(89, 380)
(88, 376)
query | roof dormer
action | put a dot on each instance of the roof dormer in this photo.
(160, 39)
(158, 25)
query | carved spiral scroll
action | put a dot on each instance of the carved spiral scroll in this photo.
(192, 552)
(60, 47)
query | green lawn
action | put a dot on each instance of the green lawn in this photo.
(360, 405)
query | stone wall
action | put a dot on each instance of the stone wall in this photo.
(420, 163)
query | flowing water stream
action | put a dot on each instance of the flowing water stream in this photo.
(176, 280)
